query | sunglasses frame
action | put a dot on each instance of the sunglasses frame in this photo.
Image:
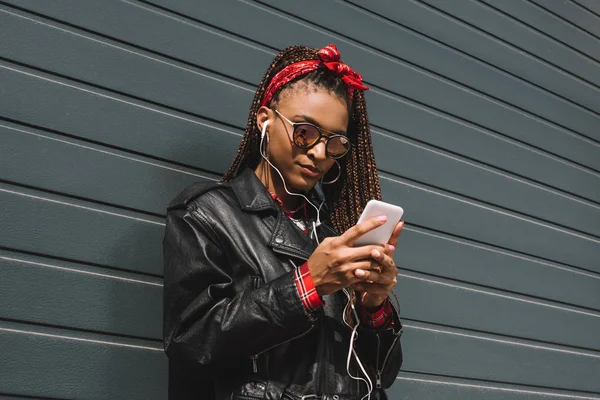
(321, 135)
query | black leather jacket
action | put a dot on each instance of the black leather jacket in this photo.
(234, 324)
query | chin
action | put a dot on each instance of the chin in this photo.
(302, 184)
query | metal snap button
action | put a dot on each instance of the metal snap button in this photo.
(278, 240)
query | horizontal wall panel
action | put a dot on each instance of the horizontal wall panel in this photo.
(160, 31)
(419, 85)
(385, 115)
(527, 12)
(103, 117)
(114, 177)
(144, 253)
(507, 314)
(76, 296)
(134, 243)
(117, 125)
(457, 353)
(242, 106)
(413, 120)
(491, 21)
(53, 363)
(519, 69)
(141, 233)
(122, 69)
(437, 93)
(467, 261)
(86, 170)
(470, 141)
(50, 225)
(153, 31)
(451, 214)
(583, 13)
(117, 304)
(422, 386)
(433, 167)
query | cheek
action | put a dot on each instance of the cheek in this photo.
(278, 143)
(281, 151)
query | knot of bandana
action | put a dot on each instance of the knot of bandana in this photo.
(329, 58)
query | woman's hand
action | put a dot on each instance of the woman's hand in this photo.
(335, 262)
(380, 278)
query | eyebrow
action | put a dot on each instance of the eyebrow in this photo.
(312, 121)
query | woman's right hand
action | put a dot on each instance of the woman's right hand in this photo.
(334, 261)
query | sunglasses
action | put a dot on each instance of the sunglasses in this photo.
(306, 136)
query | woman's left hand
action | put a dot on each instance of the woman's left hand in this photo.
(379, 281)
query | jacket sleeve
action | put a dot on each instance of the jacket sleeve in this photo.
(381, 349)
(207, 322)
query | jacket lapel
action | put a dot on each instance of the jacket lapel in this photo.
(289, 240)
(286, 238)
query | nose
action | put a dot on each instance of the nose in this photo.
(318, 151)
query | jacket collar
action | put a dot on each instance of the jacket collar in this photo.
(286, 238)
(252, 195)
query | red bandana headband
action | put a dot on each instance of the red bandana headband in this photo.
(329, 57)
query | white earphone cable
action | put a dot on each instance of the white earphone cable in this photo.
(318, 221)
(354, 333)
(352, 351)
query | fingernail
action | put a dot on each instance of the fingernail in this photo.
(392, 248)
(402, 223)
(383, 218)
(360, 272)
(376, 253)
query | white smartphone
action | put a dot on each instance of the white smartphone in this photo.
(382, 234)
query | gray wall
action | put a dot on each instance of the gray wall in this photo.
(486, 124)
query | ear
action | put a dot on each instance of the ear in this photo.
(262, 116)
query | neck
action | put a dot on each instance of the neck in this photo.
(272, 181)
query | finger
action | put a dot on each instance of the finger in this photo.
(374, 277)
(352, 234)
(351, 268)
(371, 288)
(375, 267)
(362, 252)
(386, 261)
(396, 234)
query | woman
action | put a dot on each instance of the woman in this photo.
(263, 299)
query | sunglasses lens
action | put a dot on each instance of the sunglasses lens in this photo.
(305, 135)
(338, 146)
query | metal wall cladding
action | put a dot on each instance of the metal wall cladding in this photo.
(486, 127)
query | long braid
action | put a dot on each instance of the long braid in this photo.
(248, 154)
(359, 180)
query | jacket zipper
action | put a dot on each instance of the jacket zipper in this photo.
(380, 371)
(254, 358)
(322, 343)
(254, 363)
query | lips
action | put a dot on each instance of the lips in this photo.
(310, 167)
(313, 170)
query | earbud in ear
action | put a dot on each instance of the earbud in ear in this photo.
(264, 130)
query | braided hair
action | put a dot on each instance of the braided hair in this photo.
(359, 181)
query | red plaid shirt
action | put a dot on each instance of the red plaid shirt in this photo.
(379, 318)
